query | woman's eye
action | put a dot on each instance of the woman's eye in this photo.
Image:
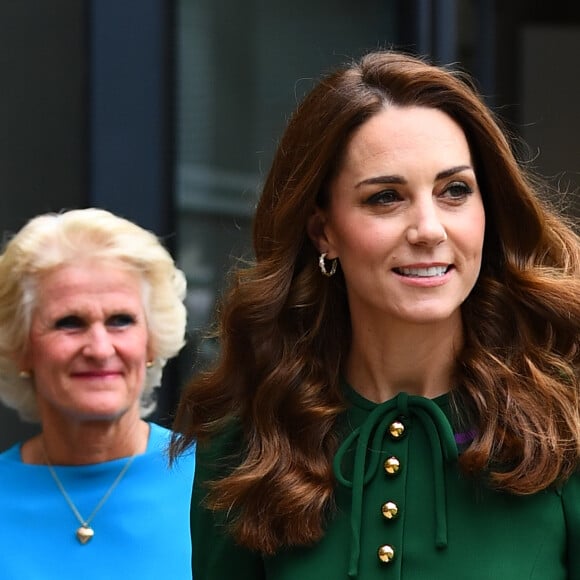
(384, 197)
(120, 320)
(457, 190)
(68, 323)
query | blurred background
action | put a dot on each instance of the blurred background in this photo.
(167, 112)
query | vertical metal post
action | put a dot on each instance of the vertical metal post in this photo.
(485, 50)
(445, 33)
(423, 27)
(130, 101)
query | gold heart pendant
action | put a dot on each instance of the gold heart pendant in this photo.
(85, 534)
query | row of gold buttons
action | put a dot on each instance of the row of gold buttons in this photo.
(389, 509)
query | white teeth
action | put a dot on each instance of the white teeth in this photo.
(424, 272)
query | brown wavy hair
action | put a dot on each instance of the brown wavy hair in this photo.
(285, 329)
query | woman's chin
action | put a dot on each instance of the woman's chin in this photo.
(107, 411)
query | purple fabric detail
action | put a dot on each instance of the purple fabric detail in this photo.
(463, 438)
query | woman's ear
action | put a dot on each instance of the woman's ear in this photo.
(316, 229)
(23, 361)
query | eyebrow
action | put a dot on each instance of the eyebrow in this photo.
(401, 180)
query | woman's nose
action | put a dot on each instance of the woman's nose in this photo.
(426, 227)
(99, 344)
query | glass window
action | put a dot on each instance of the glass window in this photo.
(242, 67)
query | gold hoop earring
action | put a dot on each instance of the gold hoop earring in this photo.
(322, 265)
(149, 364)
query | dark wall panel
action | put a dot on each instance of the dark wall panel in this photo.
(42, 122)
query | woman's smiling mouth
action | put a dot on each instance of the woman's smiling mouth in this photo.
(423, 272)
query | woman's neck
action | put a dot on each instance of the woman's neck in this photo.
(419, 360)
(85, 443)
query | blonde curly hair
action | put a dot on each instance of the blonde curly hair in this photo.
(52, 240)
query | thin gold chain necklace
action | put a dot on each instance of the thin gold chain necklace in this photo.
(85, 532)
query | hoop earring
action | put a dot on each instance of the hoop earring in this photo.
(322, 265)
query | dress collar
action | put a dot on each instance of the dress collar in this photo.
(370, 435)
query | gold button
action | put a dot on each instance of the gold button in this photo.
(390, 510)
(392, 465)
(386, 554)
(396, 429)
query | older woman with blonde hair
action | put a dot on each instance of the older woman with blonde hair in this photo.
(91, 309)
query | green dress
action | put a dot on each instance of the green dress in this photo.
(404, 511)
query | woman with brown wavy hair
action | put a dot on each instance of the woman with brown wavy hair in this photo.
(397, 390)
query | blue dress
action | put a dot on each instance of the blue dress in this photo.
(142, 530)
